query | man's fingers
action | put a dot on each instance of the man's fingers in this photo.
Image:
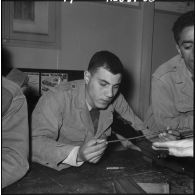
(155, 147)
(160, 144)
(94, 150)
(96, 142)
(95, 159)
(166, 137)
(174, 132)
(96, 154)
(166, 144)
(91, 142)
(99, 141)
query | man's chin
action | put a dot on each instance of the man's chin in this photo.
(102, 106)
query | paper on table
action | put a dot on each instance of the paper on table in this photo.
(154, 188)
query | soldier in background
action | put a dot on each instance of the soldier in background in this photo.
(173, 85)
(15, 128)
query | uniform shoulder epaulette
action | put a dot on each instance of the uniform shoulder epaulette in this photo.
(169, 66)
(69, 85)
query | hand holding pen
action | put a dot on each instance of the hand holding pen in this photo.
(92, 150)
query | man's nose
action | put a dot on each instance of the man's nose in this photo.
(110, 92)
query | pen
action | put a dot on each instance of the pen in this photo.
(114, 168)
(126, 139)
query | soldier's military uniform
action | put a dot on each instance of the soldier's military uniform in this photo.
(61, 121)
(15, 130)
(172, 97)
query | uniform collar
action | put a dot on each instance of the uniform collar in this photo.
(88, 106)
(182, 72)
(80, 100)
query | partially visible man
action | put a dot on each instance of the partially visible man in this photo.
(63, 131)
(173, 85)
(15, 129)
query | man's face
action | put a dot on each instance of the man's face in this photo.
(186, 47)
(101, 87)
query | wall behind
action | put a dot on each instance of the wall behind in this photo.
(86, 28)
(163, 40)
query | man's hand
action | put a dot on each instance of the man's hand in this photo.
(169, 135)
(179, 148)
(92, 151)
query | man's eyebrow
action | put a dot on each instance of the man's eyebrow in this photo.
(102, 80)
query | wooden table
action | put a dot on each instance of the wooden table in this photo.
(95, 178)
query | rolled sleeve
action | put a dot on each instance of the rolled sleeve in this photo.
(72, 158)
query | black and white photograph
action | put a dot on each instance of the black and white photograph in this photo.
(97, 97)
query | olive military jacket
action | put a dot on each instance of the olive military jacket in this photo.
(172, 96)
(61, 121)
(15, 133)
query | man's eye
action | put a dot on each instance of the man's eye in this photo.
(116, 87)
(187, 46)
(103, 84)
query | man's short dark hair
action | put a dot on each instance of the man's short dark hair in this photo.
(182, 22)
(107, 60)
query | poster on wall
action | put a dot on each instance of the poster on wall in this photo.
(33, 83)
(50, 80)
(42, 80)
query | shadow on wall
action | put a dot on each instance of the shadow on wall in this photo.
(6, 61)
(127, 85)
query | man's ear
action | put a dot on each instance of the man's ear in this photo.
(178, 50)
(87, 76)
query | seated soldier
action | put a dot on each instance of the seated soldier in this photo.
(71, 123)
(15, 129)
(172, 84)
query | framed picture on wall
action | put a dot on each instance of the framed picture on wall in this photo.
(30, 17)
(31, 23)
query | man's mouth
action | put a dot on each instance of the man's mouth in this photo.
(105, 101)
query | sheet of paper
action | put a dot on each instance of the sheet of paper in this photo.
(154, 188)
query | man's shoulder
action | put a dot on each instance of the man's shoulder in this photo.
(64, 91)
(71, 85)
(11, 86)
(119, 100)
(6, 100)
(168, 67)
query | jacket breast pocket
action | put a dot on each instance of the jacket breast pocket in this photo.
(73, 132)
(184, 105)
